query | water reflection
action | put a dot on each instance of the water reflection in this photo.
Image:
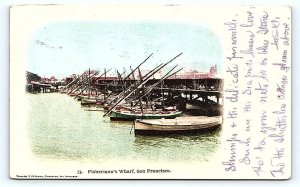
(60, 128)
(179, 147)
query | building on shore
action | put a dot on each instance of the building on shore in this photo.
(194, 74)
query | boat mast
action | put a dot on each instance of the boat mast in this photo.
(87, 86)
(127, 77)
(162, 92)
(135, 84)
(83, 82)
(150, 88)
(131, 90)
(89, 82)
(105, 82)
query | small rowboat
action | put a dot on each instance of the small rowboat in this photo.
(179, 125)
(89, 101)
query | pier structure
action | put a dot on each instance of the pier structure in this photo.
(191, 88)
(193, 93)
(202, 96)
(151, 89)
(37, 87)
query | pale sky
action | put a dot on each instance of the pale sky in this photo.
(64, 48)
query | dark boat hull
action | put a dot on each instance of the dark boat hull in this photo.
(117, 116)
(182, 132)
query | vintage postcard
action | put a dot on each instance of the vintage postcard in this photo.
(148, 91)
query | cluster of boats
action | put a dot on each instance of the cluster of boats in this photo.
(135, 103)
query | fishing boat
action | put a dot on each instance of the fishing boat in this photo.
(130, 115)
(138, 93)
(179, 125)
(80, 97)
(122, 107)
(91, 101)
(88, 101)
(73, 94)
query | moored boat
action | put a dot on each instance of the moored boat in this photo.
(80, 97)
(73, 94)
(91, 100)
(179, 125)
(130, 115)
(88, 101)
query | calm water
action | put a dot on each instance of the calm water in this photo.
(58, 127)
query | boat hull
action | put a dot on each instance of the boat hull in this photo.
(92, 101)
(118, 116)
(201, 125)
(88, 102)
